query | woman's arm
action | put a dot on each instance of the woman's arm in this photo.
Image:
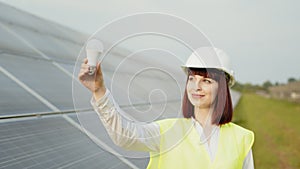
(124, 133)
(248, 161)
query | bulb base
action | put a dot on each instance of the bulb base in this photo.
(92, 70)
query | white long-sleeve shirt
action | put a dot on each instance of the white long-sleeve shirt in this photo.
(145, 137)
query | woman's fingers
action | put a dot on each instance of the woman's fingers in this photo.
(83, 72)
(84, 65)
(92, 82)
(84, 69)
(99, 68)
(81, 75)
(85, 60)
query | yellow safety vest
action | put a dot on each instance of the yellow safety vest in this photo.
(180, 147)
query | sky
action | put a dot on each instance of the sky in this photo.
(261, 37)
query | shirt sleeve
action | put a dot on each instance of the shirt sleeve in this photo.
(123, 132)
(248, 161)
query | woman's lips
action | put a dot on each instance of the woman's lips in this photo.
(198, 96)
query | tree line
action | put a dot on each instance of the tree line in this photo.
(249, 87)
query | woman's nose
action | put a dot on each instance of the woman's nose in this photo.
(199, 88)
(198, 85)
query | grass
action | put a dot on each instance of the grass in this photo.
(276, 124)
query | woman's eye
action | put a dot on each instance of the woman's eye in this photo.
(207, 81)
(191, 78)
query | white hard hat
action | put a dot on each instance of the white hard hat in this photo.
(210, 57)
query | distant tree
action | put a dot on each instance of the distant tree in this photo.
(291, 79)
(238, 86)
(247, 87)
(267, 84)
(276, 83)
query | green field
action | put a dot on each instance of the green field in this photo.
(276, 124)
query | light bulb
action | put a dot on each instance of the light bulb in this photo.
(93, 48)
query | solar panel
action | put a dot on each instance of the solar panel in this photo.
(43, 77)
(31, 60)
(10, 43)
(50, 142)
(11, 103)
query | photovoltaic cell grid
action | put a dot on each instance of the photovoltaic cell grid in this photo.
(50, 143)
(28, 54)
(17, 100)
(43, 77)
(52, 39)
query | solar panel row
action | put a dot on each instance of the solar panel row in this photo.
(37, 59)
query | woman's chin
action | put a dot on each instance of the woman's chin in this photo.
(200, 104)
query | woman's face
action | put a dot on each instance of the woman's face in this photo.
(201, 91)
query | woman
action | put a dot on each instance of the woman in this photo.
(204, 138)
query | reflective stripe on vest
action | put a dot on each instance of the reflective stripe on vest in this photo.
(180, 147)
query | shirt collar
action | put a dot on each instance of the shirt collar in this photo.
(199, 128)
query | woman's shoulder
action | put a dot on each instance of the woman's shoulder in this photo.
(244, 137)
(239, 130)
(236, 126)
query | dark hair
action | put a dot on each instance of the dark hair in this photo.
(223, 108)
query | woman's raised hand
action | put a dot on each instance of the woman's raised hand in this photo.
(95, 82)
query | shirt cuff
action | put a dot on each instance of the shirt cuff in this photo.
(101, 100)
